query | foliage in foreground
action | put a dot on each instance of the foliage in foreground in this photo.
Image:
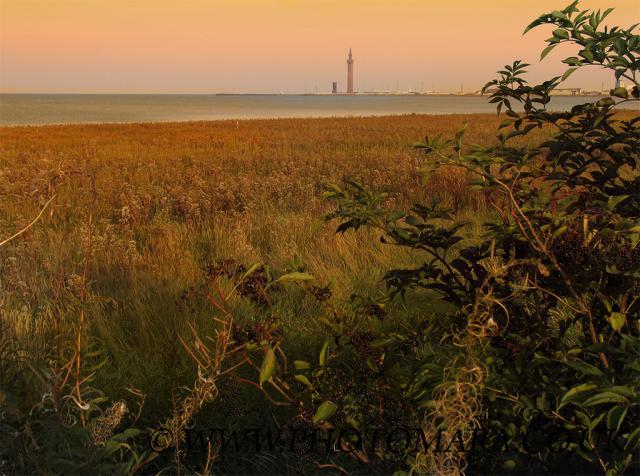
(540, 338)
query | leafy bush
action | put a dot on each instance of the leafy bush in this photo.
(538, 333)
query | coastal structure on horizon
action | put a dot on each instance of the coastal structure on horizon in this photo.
(575, 91)
(350, 73)
(334, 85)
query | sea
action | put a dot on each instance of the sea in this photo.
(38, 109)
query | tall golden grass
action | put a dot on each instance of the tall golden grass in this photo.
(141, 209)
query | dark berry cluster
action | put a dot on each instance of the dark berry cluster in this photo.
(375, 310)
(253, 287)
(227, 268)
(321, 293)
(572, 250)
(623, 256)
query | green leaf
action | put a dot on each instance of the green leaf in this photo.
(324, 353)
(605, 102)
(604, 397)
(559, 15)
(612, 269)
(414, 220)
(371, 364)
(301, 364)
(617, 320)
(293, 277)
(615, 417)
(534, 24)
(303, 379)
(606, 13)
(383, 341)
(632, 441)
(613, 201)
(584, 368)
(587, 54)
(546, 51)
(620, 93)
(576, 392)
(561, 33)
(571, 8)
(250, 271)
(559, 232)
(325, 411)
(505, 123)
(394, 216)
(596, 421)
(568, 73)
(125, 435)
(268, 366)
(573, 61)
(110, 447)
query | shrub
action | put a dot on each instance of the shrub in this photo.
(537, 335)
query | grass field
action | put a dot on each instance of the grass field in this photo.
(141, 210)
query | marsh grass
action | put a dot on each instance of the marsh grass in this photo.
(147, 207)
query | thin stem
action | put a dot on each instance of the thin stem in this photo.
(15, 235)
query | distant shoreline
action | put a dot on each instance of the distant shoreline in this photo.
(256, 119)
(58, 109)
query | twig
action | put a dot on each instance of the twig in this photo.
(2, 243)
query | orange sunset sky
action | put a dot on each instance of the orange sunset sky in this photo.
(207, 46)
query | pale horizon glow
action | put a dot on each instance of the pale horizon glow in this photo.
(272, 46)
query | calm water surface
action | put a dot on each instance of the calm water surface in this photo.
(18, 109)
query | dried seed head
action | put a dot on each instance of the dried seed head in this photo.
(104, 426)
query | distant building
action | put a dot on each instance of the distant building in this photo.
(334, 88)
(350, 73)
(566, 92)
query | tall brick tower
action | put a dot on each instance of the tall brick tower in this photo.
(350, 74)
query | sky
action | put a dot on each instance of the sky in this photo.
(266, 46)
